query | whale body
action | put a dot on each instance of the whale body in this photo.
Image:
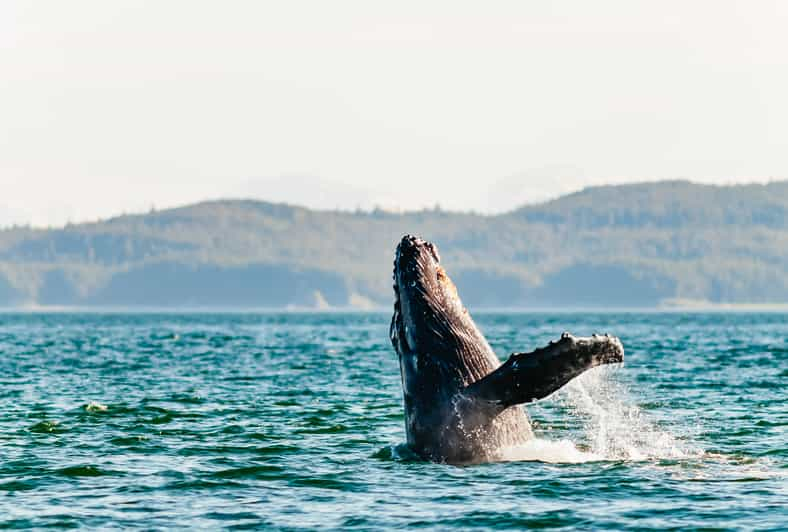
(462, 404)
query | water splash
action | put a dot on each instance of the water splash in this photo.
(398, 453)
(610, 427)
(614, 427)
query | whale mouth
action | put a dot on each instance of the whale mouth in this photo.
(414, 260)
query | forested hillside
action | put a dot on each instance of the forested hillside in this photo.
(631, 245)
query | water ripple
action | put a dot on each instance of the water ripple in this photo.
(293, 421)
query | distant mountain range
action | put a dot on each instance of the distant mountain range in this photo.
(625, 246)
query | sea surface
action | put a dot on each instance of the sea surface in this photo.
(294, 421)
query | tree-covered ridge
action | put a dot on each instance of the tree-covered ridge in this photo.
(623, 245)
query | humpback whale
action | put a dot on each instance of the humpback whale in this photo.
(461, 403)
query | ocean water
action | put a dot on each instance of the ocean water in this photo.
(294, 421)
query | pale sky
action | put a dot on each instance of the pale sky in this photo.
(112, 106)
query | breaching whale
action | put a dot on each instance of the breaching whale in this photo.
(461, 403)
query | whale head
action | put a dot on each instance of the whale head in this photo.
(429, 317)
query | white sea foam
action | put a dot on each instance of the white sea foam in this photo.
(551, 451)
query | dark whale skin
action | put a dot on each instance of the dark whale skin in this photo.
(461, 403)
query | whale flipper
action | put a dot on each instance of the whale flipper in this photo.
(528, 377)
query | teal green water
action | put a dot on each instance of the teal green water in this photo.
(290, 421)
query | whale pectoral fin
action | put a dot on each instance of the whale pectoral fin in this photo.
(528, 377)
